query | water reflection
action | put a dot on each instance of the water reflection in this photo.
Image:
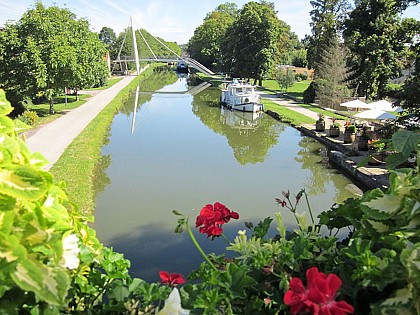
(250, 137)
(186, 153)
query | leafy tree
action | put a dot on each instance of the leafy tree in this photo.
(286, 78)
(294, 52)
(252, 45)
(411, 87)
(108, 37)
(327, 20)
(377, 38)
(205, 45)
(47, 50)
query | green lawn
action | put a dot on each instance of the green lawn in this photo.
(287, 115)
(111, 81)
(296, 90)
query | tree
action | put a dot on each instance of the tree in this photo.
(377, 39)
(286, 78)
(332, 75)
(47, 50)
(411, 87)
(108, 37)
(204, 45)
(252, 45)
(327, 20)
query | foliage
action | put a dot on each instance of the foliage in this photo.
(333, 72)
(28, 117)
(47, 50)
(253, 42)
(378, 41)
(155, 44)
(205, 44)
(310, 93)
(286, 78)
(410, 95)
(108, 37)
(327, 20)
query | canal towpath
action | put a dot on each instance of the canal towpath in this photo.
(52, 139)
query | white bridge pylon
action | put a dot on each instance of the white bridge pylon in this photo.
(124, 59)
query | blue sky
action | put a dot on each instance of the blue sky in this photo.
(172, 20)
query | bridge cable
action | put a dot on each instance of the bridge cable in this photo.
(144, 39)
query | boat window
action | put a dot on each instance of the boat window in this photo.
(239, 90)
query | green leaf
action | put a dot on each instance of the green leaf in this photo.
(118, 291)
(281, 228)
(396, 159)
(405, 141)
(22, 181)
(388, 203)
(5, 107)
(239, 279)
(6, 125)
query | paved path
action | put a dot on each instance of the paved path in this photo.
(52, 139)
(290, 104)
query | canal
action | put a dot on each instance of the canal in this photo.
(177, 151)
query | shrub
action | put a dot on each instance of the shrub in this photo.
(309, 94)
(28, 117)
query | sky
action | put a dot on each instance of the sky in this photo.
(172, 20)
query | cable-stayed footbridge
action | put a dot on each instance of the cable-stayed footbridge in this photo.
(123, 60)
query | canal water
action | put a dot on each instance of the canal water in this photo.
(177, 151)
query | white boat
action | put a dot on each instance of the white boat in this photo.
(241, 96)
(244, 122)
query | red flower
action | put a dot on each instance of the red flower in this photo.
(171, 278)
(319, 296)
(211, 219)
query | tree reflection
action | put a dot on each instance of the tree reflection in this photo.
(313, 156)
(250, 140)
(161, 77)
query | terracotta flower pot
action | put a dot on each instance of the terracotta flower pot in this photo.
(334, 132)
(349, 137)
(320, 125)
(363, 144)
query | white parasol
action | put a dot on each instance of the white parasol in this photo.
(384, 105)
(355, 104)
(375, 114)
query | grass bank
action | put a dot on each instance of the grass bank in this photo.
(77, 167)
(288, 115)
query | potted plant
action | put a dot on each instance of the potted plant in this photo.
(376, 148)
(320, 123)
(362, 142)
(350, 133)
(334, 129)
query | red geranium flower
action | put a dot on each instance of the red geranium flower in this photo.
(211, 219)
(171, 278)
(319, 296)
